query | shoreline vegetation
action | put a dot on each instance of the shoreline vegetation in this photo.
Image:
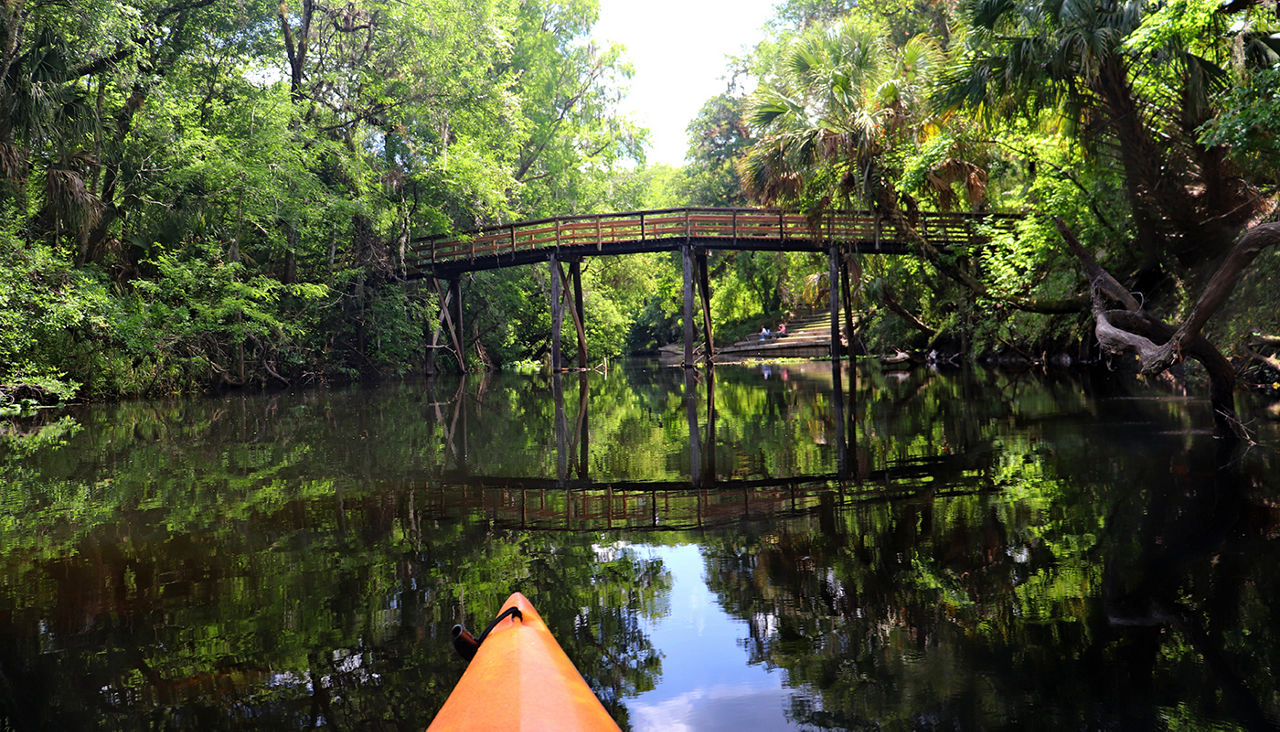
(197, 196)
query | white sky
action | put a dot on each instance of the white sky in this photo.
(678, 49)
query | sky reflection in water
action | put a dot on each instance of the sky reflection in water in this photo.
(705, 684)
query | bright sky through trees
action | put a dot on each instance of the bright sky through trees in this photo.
(678, 49)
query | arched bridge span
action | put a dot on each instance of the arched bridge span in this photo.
(568, 237)
(691, 231)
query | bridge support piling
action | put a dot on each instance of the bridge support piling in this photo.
(584, 426)
(557, 313)
(460, 333)
(837, 402)
(847, 301)
(435, 337)
(704, 287)
(561, 430)
(691, 414)
(576, 308)
(450, 300)
(833, 282)
(579, 312)
(851, 268)
(710, 443)
(686, 252)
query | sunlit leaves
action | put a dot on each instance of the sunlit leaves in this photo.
(1244, 125)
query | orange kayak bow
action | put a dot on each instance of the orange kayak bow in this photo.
(520, 679)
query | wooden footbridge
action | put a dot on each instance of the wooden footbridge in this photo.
(691, 231)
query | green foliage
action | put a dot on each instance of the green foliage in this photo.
(200, 321)
(718, 139)
(657, 301)
(527, 367)
(918, 163)
(607, 328)
(1083, 113)
(204, 195)
(47, 311)
(1245, 125)
(224, 194)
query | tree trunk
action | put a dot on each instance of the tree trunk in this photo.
(1159, 345)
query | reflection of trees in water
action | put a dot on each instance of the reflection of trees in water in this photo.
(331, 607)
(278, 561)
(1058, 603)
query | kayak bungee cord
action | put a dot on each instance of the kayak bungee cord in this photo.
(466, 644)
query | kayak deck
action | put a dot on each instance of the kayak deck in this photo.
(520, 679)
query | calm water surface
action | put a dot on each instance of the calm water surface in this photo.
(770, 548)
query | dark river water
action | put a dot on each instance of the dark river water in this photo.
(758, 550)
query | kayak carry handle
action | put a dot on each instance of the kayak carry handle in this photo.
(466, 644)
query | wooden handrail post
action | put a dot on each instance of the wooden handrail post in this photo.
(734, 224)
(513, 240)
(641, 227)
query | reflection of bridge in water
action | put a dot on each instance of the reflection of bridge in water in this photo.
(575, 500)
(585, 505)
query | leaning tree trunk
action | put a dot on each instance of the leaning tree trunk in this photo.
(1159, 345)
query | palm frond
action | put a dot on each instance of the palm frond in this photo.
(769, 108)
(69, 201)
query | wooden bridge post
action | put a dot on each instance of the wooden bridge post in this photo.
(561, 429)
(448, 297)
(833, 282)
(435, 336)
(847, 302)
(579, 312)
(686, 252)
(584, 428)
(704, 287)
(557, 313)
(837, 401)
(691, 414)
(460, 337)
(710, 443)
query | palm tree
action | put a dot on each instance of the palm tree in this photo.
(843, 99)
(821, 120)
(1129, 88)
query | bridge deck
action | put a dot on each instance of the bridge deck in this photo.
(666, 229)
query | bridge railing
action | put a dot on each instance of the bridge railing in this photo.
(598, 231)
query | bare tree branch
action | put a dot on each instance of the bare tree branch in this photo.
(1221, 285)
(1159, 345)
